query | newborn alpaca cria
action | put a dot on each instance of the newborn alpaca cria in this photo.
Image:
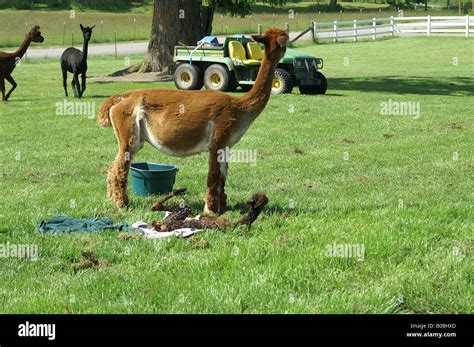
(179, 212)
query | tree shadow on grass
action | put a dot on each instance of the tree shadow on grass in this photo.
(409, 85)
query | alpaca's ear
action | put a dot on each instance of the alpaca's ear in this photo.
(260, 38)
(82, 28)
(92, 27)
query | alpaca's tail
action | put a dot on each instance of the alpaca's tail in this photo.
(105, 106)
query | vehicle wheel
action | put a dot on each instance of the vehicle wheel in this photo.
(282, 82)
(217, 77)
(316, 89)
(246, 87)
(188, 77)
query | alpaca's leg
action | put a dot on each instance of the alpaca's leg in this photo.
(118, 178)
(78, 86)
(65, 82)
(73, 85)
(13, 83)
(213, 184)
(224, 166)
(83, 83)
(129, 141)
(2, 88)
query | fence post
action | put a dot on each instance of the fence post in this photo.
(72, 39)
(115, 40)
(355, 30)
(64, 32)
(314, 25)
(101, 25)
(134, 28)
(428, 25)
(392, 26)
(335, 31)
(374, 28)
(260, 29)
(467, 25)
(287, 28)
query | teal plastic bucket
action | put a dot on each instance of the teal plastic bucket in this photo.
(151, 178)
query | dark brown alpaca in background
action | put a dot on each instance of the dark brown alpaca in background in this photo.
(8, 61)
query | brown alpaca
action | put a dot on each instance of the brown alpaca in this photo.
(8, 61)
(182, 123)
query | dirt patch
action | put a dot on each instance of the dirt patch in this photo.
(388, 136)
(298, 150)
(363, 178)
(89, 261)
(32, 174)
(344, 142)
(135, 77)
(457, 126)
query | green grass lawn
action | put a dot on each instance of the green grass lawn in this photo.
(335, 171)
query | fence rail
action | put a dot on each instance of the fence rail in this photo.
(391, 26)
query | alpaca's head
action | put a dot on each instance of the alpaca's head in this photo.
(258, 200)
(275, 41)
(87, 32)
(35, 34)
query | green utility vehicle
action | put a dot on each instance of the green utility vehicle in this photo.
(235, 63)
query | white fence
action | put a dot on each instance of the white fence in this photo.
(379, 27)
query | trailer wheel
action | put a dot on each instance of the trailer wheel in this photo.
(188, 77)
(282, 82)
(316, 89)
(217, 77)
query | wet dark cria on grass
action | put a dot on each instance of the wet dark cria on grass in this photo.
(177, 218)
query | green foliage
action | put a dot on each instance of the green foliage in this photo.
(110, 5)
(402, 4)
(237, 7)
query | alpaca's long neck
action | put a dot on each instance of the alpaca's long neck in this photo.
(85, 49)
(256, 99)
(20, 52)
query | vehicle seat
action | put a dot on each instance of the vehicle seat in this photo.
(255, 52)
(237, 54)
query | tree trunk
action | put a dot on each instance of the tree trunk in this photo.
(174, 21)
(332, 3)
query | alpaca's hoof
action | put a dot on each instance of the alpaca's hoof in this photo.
(122, 202)
(222, 205)
(208, 212)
